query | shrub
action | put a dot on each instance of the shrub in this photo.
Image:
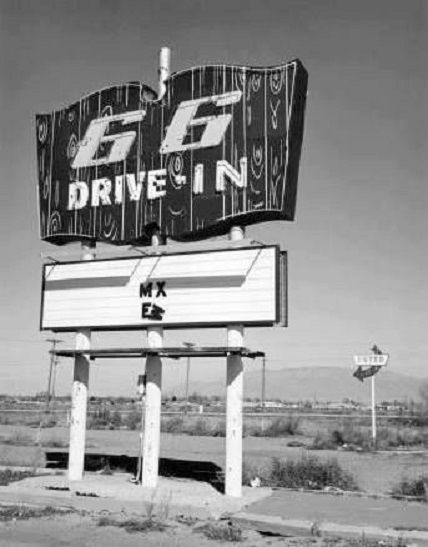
(133, 420)
(219, 429)
(312, 473)
(308, 473)
(417, 488)
(200, 428)
(280, 427)
(116, 420)
(221, 531)
(134, 525)
(323, 441)
(97, 423)
(100, 419)
(173, 425)
(9, 475)
(360, 436)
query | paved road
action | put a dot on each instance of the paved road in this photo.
(359, 511)
(287, 512)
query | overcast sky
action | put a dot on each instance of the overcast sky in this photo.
(358, 248)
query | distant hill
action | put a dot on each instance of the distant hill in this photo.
(320, 383)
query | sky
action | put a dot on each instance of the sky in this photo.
(358, 247)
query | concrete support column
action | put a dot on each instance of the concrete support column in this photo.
(151, 446)
(79, 394)
(79, 397)
(234, 396)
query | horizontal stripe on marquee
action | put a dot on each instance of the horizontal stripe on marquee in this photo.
(171, 282)
(85, 282)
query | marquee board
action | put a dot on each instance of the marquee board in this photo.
(221, 148)
(193, 289)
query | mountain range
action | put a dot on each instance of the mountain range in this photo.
(318, 383)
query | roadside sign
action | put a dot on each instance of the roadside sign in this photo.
(191, 289)
(221, 148)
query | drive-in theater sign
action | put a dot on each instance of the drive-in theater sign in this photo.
(218, 150)
(221, 148)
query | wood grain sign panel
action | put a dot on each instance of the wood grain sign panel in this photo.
(221, 148)
(189, 289)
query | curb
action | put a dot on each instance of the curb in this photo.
(264, 523)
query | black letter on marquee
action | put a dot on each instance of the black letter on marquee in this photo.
(157, 312)
(145, 310)
(146, 290)
(151, 311)
(161, 290)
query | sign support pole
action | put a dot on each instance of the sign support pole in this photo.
(153, 410)
(263, 391)
(79, 395)
(374, 433)
(152, 419)
(234, 396)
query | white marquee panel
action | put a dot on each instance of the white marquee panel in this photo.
(201, 288)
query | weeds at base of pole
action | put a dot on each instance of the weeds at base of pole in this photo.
(23, 512)
(149, 524)
(221, 531)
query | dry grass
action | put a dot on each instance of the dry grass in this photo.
(221, 531)
(10, 475)
(19, 438)
(22, 512)
(359, 437)
(279, 427)
(134, 525)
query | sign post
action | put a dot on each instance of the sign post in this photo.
(369, 366)
(234, 395)
(152, 422)
(374, 430)
(79, 395)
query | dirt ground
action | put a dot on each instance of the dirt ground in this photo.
(73, 530)
(374, 472)
(84, 531)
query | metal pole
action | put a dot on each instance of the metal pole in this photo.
(263, 382)
(164, 69)
(79, 394)
(263, 391)
(151, 446)
(234, 395)
(54, 378)
(187, 385)
(373, 413)
(188, 345)
(48, 392)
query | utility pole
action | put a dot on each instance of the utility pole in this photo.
(188, 345)
(56, 363)
(52, 364)
(263, 382)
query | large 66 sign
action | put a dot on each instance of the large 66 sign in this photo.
(221, 148)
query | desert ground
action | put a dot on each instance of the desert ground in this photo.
(375, 472)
